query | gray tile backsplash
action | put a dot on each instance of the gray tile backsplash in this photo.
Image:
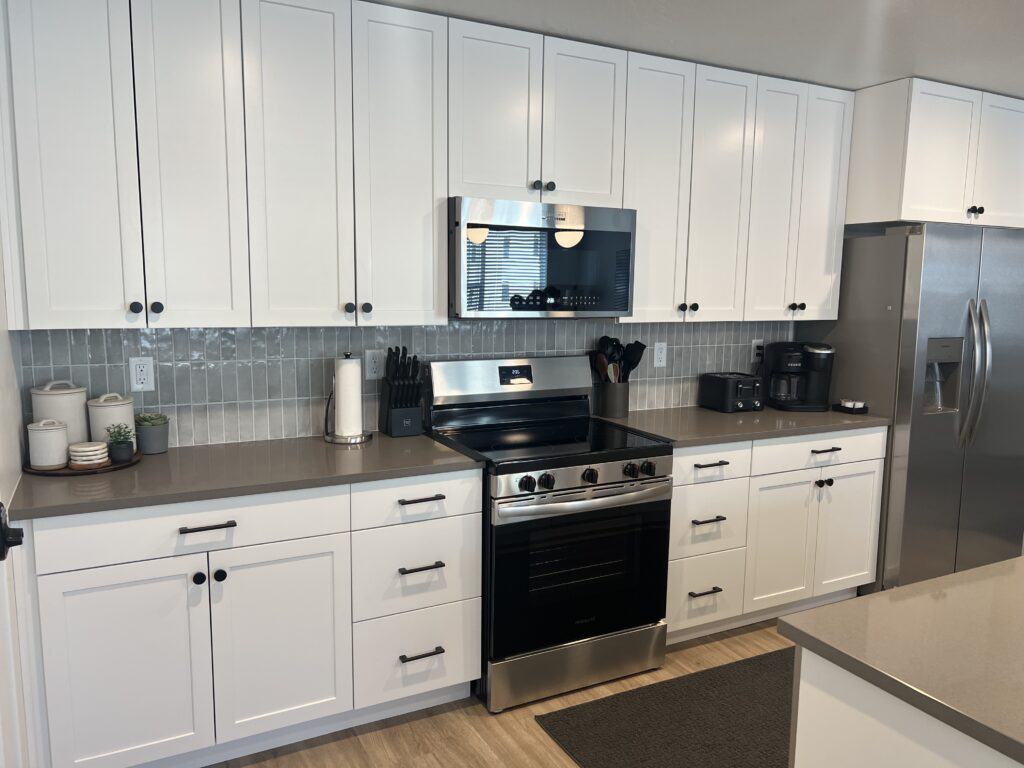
(223, 385)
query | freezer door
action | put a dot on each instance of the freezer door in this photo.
(992, 506)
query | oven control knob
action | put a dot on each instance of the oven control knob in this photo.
(527, 484)
(631, 470)
(590, 475)
(546, 481)
(649, 469)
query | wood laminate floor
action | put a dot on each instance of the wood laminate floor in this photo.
(464, 735)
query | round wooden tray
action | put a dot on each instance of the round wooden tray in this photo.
(68, 472)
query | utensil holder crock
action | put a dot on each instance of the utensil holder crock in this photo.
(611, 399)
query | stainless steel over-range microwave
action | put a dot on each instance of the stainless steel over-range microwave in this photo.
(515, 259)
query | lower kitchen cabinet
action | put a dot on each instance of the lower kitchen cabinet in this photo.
(127, 660)
(705, 588)
(282, 634)
(848, 520)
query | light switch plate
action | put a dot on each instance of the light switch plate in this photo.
(140, 370)
(660, 354)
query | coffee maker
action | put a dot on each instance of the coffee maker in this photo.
(797, 375)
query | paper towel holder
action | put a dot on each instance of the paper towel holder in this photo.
(329, 434)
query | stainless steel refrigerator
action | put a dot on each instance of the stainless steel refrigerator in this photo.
(931, 333)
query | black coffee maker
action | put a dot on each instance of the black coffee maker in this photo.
(797, 375)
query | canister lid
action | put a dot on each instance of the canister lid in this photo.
(60, 387)
(47, 425)
(111, 398)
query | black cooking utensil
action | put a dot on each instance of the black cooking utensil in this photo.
(631, 356)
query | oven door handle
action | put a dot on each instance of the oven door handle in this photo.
(551, 509)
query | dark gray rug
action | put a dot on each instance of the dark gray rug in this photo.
(733, 716)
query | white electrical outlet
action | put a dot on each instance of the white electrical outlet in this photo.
(660, 354)
(141, 372)
(373, 361)
(756, 350)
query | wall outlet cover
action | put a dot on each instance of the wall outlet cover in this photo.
(140, 371)
(756, 350)
(660, 354)
(373, 363)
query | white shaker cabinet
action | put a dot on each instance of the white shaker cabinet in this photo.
(659, 145)
(495, 80)
(74, 110)
(848, 520)
(999, 178)
(400, 98)
(127, 659)
(282, 633)
(298, 117)
(584, 123)
(723, 144)
(188, 92)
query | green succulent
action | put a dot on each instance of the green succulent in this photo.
(119, 433)
(150, 419)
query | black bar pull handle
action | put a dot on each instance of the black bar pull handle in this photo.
(833, 449)
(712, 591)
(424, 500)
(715, 519)
(431, 567)
(436, 652)
(722, 463)
(229, 524)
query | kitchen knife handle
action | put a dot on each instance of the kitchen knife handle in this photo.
(424, 500)
(722, 463)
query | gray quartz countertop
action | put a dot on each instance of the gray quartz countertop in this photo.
(951, 646)
(235, 469)
(699, 426)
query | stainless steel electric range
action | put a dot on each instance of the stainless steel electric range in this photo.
(577, 526)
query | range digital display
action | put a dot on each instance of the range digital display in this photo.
(515, 374)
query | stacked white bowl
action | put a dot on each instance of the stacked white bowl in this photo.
(88, 455)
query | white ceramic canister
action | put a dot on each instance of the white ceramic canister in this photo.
(63, 401)
(48, 444)
(107, 410)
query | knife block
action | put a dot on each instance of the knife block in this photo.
(398, 422)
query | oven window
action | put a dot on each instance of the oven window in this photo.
(532, 270)
(562, 579)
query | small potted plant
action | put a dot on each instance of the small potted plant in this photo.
(152, 431)
(122, 448)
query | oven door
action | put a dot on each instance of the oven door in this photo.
(515, 259)
(576, 565)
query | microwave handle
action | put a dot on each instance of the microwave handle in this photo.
(551, 509)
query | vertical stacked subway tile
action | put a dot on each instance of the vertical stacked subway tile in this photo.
(224, 385)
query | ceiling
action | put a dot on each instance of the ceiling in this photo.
(844, 43)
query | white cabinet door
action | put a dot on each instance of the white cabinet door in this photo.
(399, 69)
(126, 652)
(780, 124)
(74, 113)
(723, 144)
(782, 520)
(188, 92)
(942, 148)
(813, 277)
(848, 520)
(298, 117)
(584, 123)
(659, 146)
(282, 633)
(495, 81)
(999, 181)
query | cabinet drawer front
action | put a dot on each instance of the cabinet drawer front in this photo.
(441, 559)
(708, 517)
(380, 645)
(789, 453)
(716, 581)
(145, 533)
(413, 499)
(707, 463)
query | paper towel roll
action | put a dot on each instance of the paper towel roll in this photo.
(348, 397)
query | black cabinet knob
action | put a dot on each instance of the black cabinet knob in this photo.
(631, 470)
(648, 468)
(682, 307)
(820, 483)
(367, 307)
(550, 186)
(801, 306)
(546, 481)
(537, 184)
(794, 306)
(199, 579)
(220, 575)
(981, 209)
(830, 482)
(136, 307)
(527, 484)
(973, 209)
(156, 307)
(694, 307)
(590, 475)
(350, 307)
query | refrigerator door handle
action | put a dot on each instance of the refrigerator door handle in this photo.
(986, 330)
(972, 406)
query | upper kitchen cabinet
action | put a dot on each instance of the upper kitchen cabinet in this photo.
(298, 115)
(723, 148)
(925, 151)
(74, 111)
(659, 143)
(495, 78)
(399, 63)
(191, 136)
